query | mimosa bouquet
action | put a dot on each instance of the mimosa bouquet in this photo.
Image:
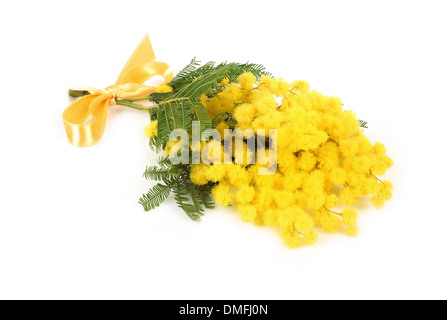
(231, 134)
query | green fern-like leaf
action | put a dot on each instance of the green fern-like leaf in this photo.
(363, 124)
(164, 162)
(156, 196)
(183, 198)
(158, 97)
(186, 72)
(239, 68)
(183, 113)
(194, 193)
(191, 72)
(206, 198)
(205, 83)
(165, 127)
(159, 173)
(153, 144)
(201, 114)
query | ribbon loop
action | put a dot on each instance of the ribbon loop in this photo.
(140, 68)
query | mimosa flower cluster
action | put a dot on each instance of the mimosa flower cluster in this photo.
(325, 163)
(299, 162)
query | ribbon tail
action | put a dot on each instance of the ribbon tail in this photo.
(144, 53)
(142, 66)
(82, 134)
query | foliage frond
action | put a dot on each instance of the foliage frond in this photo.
(159, 173)
(165, 127)
(363, 124)
(186, 72)
(158, 97)
(164, 162)
(203, 84)
(156, 196)
(201, 114)
(236, 69)
(183, 198)
(206, 197)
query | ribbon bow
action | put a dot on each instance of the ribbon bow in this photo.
(140, 67)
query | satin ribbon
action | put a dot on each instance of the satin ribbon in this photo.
(140, 67)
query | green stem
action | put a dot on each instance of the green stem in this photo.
(132, 105)
(139, 99)
(77, 93)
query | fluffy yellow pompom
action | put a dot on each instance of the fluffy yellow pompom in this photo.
(199, 174)
(222, 194)
(349, 218)
(301, 86)
(151, 130)
(244, 113)
(245, 194)
(291, 239)
(247, 80)
(164, 88)
(247, 213)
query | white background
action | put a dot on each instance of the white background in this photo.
(70, 224)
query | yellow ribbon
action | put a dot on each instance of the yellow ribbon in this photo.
(140, 67)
